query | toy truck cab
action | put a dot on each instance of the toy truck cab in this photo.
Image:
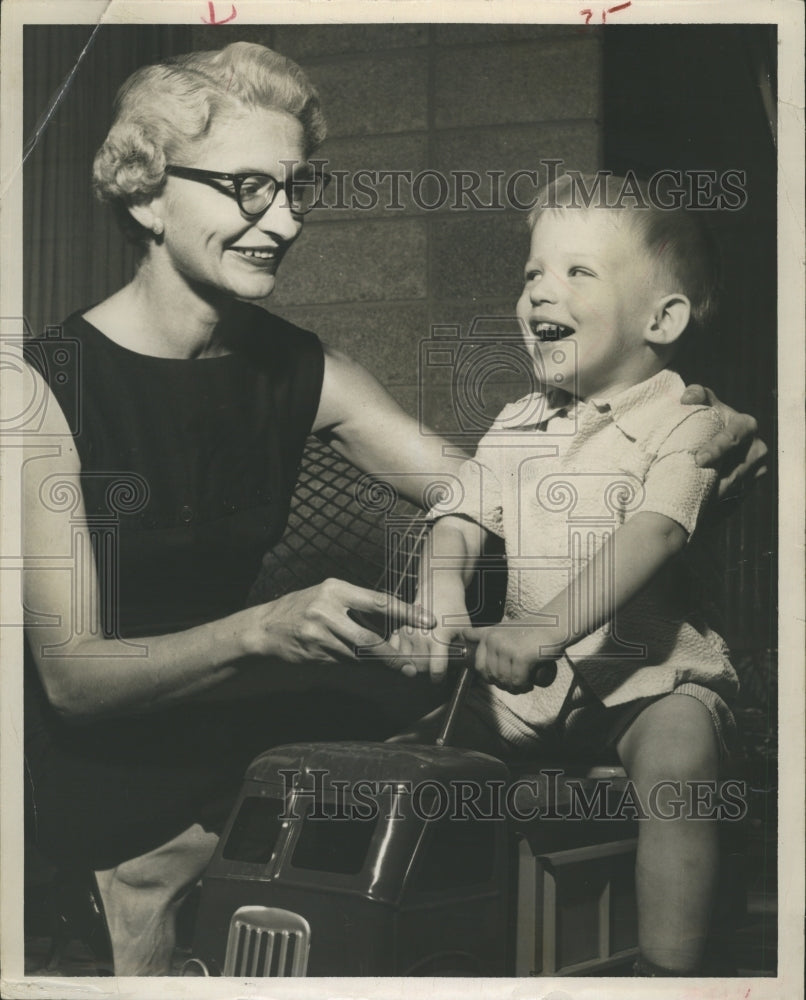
(395, 854)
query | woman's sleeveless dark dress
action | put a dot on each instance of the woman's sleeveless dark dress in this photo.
(188, 468)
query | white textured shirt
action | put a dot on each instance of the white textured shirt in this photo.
(555, 482)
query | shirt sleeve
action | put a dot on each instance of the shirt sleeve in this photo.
(675, 486)
(478, 496)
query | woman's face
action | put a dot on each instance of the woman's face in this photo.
(206, 237)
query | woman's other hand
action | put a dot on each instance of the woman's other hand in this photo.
(333, 622)
(431, 650)
(737, 452)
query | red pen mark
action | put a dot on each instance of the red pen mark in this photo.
(588, 12)
(612, 10)
(211, 9)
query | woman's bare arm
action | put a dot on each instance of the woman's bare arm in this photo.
(87, 675)
(363, 423)
(82, 671)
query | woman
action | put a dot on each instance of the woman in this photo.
(196, 405)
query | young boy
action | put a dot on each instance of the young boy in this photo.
(592, 484)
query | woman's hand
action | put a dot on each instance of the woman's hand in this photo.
(431, 650)
(317, 625)
(736, 451)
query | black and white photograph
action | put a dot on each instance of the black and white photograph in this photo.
(402, 479)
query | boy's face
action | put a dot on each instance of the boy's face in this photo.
(589, 295)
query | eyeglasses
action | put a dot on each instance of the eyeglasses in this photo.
(256, 192)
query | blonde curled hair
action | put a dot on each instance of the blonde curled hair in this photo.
(161, 110)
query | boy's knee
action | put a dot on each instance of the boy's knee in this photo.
(675, 741)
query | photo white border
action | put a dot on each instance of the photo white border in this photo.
(789, 16)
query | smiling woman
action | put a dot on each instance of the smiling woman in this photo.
(205, 233)
(195, 406)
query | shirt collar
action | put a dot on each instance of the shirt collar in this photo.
(625, 407)
(534, 410)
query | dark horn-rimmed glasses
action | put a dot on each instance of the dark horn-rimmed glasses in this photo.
(255, 193)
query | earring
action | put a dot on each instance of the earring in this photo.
(157, 227)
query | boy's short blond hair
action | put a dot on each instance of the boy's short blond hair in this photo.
(684, 249)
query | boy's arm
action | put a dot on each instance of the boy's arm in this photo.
(507, 654)
(674, 494)
(447, 561)
(620, 569)
(462, 523)
(449, 558)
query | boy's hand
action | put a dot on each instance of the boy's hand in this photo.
(513, 656)
(736, 451)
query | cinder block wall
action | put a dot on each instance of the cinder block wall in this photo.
(373, 281)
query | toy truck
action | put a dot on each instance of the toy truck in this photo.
(408, 860)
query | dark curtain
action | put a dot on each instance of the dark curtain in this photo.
(702, 97)
(73, 254)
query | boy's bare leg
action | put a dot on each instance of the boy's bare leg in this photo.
(673, 739)
(141, 898)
